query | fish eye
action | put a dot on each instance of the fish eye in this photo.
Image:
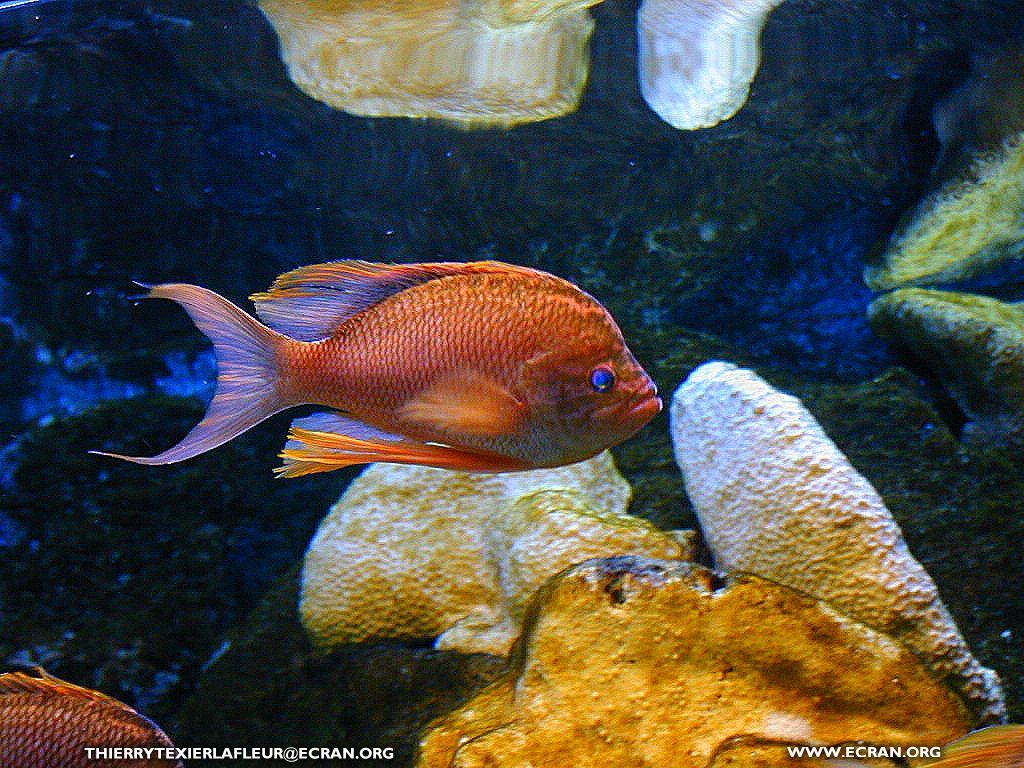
(602, 378)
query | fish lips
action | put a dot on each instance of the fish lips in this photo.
(644, 409)
(635, 411)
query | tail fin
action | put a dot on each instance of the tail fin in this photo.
(247, 372)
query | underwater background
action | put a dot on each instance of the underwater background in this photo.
(163, 141)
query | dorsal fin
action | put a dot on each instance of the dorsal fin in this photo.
(48, 685)
(310, 303)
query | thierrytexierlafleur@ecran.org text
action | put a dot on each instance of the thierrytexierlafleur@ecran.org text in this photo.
(289, 754)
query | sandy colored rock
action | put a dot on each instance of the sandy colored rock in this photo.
(971, 223)
(415, 553)
(777, 498)
(696, 59)
(630, 661)
(473, 63)
(973, 344)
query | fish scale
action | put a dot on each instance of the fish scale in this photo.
(46, 722)
(403, 339)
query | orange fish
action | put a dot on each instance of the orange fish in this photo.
(482, 366)
(1001, 746)
(48, 723)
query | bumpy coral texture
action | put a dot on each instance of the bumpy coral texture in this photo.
(970, 223)
(776, 498)
(630, 661)
(974, 344)
(415, 553)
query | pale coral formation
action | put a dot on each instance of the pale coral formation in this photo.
(416, 553)
(696, 59)
(777, 498)
(473, 63)
(969, 224)
(505, 62)
(630, 661)
(973, 344)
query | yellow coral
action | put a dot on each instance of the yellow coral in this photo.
(631, 661)
(776, 498)
(964, 227)
(414, 552)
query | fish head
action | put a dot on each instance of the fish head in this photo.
(588, 395)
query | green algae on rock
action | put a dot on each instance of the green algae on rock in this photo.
(628, 661)
(973, 344)
(968, 225)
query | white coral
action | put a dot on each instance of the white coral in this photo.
(696, 59)
(777, 498)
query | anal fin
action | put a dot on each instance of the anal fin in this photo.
(327, 441)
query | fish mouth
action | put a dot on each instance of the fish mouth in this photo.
(636, 410)
(644, 409)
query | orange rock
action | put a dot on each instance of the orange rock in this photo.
(628, 661)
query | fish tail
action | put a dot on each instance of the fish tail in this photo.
(248, 379)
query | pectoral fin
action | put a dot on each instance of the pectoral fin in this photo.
(327, 441)
(469, 403)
